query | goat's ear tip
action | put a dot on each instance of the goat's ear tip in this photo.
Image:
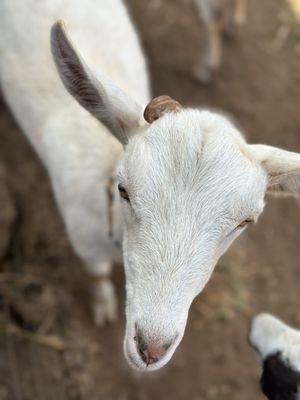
(59, 24)
(58, 28)
(59, 39)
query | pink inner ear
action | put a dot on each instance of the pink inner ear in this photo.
(159, 106)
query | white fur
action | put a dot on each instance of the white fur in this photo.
(78, 152)
(269, 335)
(191, 177)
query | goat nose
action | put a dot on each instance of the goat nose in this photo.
(151, 352)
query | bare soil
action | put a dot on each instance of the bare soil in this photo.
(49, 347)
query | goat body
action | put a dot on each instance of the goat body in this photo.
(78, 151)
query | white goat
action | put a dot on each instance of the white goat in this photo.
(278, 346)
(218, 16)
(79, 154)
(189, 183)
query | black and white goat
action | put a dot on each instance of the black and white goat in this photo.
(278, 346)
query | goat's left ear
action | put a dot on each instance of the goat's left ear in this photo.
(101, 97)
(282, 167)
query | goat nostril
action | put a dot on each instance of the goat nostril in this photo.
(143, 350)
(167, 346)
(151, 353)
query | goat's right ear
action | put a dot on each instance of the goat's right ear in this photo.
(282, 168)
(105, 101)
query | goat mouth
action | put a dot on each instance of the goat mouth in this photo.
(132, 361)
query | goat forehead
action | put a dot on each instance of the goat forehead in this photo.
(183, 142)
(189, 150)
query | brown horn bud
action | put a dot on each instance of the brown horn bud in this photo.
(160, 106)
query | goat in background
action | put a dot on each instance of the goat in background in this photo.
(220, 17)
(278, 347)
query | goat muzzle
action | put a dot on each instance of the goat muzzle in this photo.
(159, 106)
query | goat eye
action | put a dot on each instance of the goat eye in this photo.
(245, 223)
(123, 192)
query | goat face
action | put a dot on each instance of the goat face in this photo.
(189, 185)
(191, 189)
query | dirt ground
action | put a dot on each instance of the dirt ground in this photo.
(49, 347)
